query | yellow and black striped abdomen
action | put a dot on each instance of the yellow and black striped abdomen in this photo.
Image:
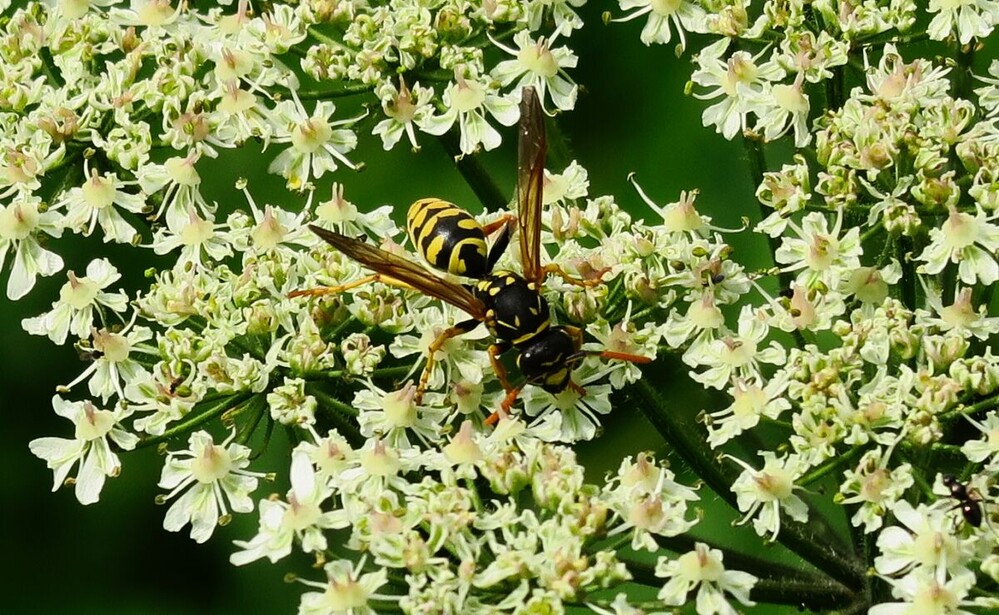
(448, 237)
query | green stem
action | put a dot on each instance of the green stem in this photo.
(204, 415)
(340, 92)
(611, 544)
(337, 333)
(963, 77)
(834, 89)
(380, 373)
(687, 439)
(328, 400)
(339, 414)
(474, 494)
(326, 40)
(756, 157)
(818, 596)
(879, 40)
(244, 433)
(474, 174)
(975, 408)
(871, 231)
(832, 465)
(393, 373)
(908, 281)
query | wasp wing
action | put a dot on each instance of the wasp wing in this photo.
(530, 181)
(402, 270)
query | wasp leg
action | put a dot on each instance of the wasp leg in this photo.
(454, 331)
(594, 278)
(495, 350)
(623, 356)
(506, 220)
(577, 336)
(332, 290)
(505, 224)
(504, 409)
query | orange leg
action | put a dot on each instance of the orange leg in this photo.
(462, 327)
(498, 223)
(504, 411)
(577, 335)
(624, 356)
(495, 350)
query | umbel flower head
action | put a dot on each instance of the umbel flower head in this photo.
(837, 367)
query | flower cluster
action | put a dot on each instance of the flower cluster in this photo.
(503, 514)
(857, 369)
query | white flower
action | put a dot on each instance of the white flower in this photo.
(540, 66)
(960, 316)
(114, 364)
(967, 18)
(468, 101)
(702, 568)
(90, 447)
(987, 446)
(578, 407)
(648, 501)
(317, 145)
(343, 214)
(767, 492)
(736, 355)
(392, 415)
(168, 396)
(346, 591)
(925, 592)
(819, 253)
(21, 222)
(875, 488)
(750, 402)
(95, 203)
(970, 241)
(738, 80)
(456, 359)
(300, 517)
(781, 107)
(405, 109)
(78, 298)
(179, 185)
(197, 238)
(927, 540)
(209, 474)
(290, 405)
(684, 15)
(274, 228)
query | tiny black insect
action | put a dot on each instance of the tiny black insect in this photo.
(971, 507)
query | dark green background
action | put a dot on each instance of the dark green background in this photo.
(113, 556)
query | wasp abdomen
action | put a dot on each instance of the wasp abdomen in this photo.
(448, 237)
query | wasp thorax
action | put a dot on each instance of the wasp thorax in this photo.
(520, 312)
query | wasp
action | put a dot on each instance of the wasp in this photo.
(509, 304)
